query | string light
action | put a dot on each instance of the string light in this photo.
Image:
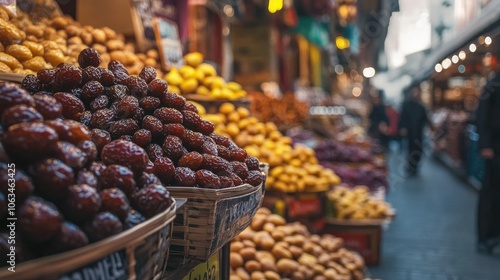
(487, 40)
(369, 72)
(438, 68)
(462, 55)
(472, 47)
(356, 91)
(342, 43)
(446, 63)
(454, 59)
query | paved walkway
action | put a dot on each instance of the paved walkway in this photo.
(433, 236)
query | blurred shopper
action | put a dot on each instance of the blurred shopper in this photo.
(488, 124)
(378, 118)
(412, 122)
(392, 130)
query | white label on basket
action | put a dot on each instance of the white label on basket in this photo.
(112, 267)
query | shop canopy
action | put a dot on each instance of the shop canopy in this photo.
(488, 20)
(315, 31)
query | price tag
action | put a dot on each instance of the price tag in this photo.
(168, 42)
(232, 216)
(113, 266)
(305, 205)
(209, 270)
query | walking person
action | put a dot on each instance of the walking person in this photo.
(378, 119)
(412, 122)
(488, 125)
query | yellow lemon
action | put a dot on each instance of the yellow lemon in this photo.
(201, 109)
(187, 72)
(173, 77)
(217, 82)
(189, 85)
(234, 86)
(226, 93)
(232, 129)
(174, 89)
(215, 93)
(199, 75)
(193, 59)
(208, 69)
(233, 117)
(207, 81)
(202, 90)
(243, 112)
(241, 93)
(227, 108)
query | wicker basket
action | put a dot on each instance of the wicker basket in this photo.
(138, 253)
(211, 218)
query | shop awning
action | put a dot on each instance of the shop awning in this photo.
(314, 31)
(487, 20)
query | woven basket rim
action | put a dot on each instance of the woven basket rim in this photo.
(68, 261)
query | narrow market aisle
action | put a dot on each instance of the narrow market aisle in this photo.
(433, 236)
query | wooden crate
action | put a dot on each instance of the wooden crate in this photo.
(305, 207)
(363, 237)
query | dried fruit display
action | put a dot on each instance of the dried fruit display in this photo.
(286, 111)
(292, 167)
(366, 175)
(337, 151)
(159, 131)
(270, 248)
(64, 199)
(27, 46)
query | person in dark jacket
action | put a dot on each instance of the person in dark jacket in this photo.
(378, 118)
(412, 121)
(488, 127)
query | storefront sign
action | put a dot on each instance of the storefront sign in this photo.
(209, 270)
(113, 266)
(168, 42)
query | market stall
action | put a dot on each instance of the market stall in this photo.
(128, 158)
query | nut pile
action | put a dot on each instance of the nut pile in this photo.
(64, 199)
(272, 249)
(27, 46)
(181, 147)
